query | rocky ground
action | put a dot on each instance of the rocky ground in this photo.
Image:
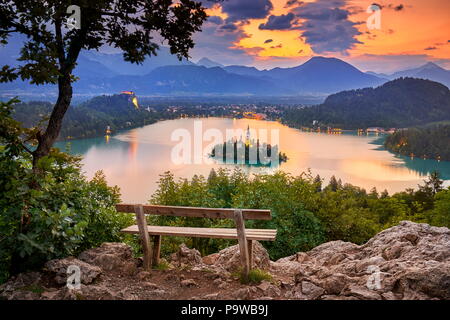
(408, 261)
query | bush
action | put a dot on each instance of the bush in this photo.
(49, 213)
(55, 214)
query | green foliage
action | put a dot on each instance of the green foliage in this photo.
(440, 214)
(90, 118)
(303, 214)
(163, 265)
(194, 193)
(431, 142)
(255, 276)
(399, 103)
(297, 228)
(53, 214)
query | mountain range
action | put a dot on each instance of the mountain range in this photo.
(164, 74)
(429, 71)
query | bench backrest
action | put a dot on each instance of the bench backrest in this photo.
(220, 213)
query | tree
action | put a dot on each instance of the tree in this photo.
(318, 182)
(333, 184)
(52, 49)
(433, 184)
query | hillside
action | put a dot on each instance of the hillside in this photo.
(91, 117)
(399, 103)
(432, 142)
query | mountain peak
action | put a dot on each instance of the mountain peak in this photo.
(430, 65)
(208, 63)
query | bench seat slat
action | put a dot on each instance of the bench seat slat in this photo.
(220, 233)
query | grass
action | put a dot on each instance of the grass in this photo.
(255, 276)
(162, 265)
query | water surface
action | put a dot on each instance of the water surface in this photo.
(134, 159)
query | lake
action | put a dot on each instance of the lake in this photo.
(134, 159)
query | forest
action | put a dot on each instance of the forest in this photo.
(429, 142)
(400, 103)
(91, 118)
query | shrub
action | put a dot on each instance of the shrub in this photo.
(51, 212)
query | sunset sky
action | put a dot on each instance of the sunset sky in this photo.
(271, 33)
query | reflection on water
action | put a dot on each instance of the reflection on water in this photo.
(133, 160)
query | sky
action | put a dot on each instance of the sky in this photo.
(285, 33)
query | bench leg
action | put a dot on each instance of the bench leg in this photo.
(243, 248)
(250, 253)
(156, 249)
(145, 238)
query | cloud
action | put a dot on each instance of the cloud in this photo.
(268, 41)
(246, 9)
(228, 27)
(430, 48)
(391, 6)
(325, 26)
(215, 19)
(277, 46)
(282, 22)
(217, 42)
(290, 3)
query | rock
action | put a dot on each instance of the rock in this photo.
(88, 273)
(244, 293)
(229, 258)
(432, 281)
(335, 283)
(186, 257)
(188, 283)
(22, 280)
(223, 286)
(268, 289)
(157, 293)
(389, 296)
(211, 296)
(49, 295)
(361, 293)
(211, 259)
(149, 285)
(311, 291)
(111, 256)
(408, 261)
(143, 275)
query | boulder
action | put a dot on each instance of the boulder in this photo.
(408, 261)
(230, 260)
(88, 272)
(111, 256)
(186, 257)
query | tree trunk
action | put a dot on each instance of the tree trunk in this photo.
(48, 138)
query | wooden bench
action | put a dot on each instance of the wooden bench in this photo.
(244, 236)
